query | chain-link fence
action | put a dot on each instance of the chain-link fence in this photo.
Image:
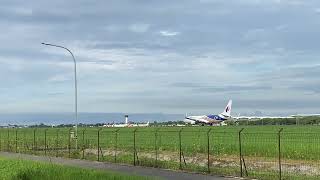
(263, 155)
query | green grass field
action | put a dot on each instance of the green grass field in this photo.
(160, 147)
(26, 170)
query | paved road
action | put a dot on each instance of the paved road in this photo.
(137, 170)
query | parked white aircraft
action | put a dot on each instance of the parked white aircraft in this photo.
(211, 119)
(128, 124)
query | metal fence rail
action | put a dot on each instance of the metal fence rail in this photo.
(262, 155)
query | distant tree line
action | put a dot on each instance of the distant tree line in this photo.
(311, 120)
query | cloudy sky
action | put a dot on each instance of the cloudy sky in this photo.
(167, 56)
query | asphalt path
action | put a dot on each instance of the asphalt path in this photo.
(128, 169)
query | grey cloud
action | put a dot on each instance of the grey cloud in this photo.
(55, 93)
(237, 48)
(312, 87)
(236, 89)
(218, 89)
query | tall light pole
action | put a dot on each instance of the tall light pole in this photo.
(75, 88)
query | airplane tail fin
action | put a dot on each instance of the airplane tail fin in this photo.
(227, 110)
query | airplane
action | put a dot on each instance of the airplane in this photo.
(211, 119)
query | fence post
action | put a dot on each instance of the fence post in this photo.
(83, 145)
(69, 143)
(208, 146)
(45, 142)
(240, 152)
(0, 141)
(99, 144)
(134, 147)
(57, 144)
(25, 141)
(16, 140)
(156, 146)
(180, 149)
(279, 148)
(8, 143)
(116, 145)
(34, 141)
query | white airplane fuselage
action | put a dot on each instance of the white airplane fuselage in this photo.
(207, 119)
(210, 119)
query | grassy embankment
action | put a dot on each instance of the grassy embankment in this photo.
(299, 146)
(14, 169)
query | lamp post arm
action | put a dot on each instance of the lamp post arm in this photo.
(75, 87)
